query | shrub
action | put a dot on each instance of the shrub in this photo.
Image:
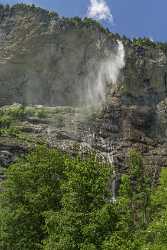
(5, 121)
(41, 113)
(16, 111)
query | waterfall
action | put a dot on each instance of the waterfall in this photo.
(113, 187)
(107, 71)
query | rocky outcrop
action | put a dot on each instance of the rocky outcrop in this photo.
(45, 59)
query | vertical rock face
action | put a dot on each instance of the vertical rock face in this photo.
(47, 60)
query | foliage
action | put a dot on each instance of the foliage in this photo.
(51, 200)
(86, 22)
(135, 189)
(16, 111)
(91, 22)
(41, 113)
(32, 187)
(146, 42)
(12, 113)
(156, 233)
(83, 207)
(75, 21)
(48, 183)
(8, 117)
(5, 121)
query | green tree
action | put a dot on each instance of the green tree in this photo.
(86, 216)
(50, 200)
(156, 233)
(132, 206)
(32, 186)
(139, 189)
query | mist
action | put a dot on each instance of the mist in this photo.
(107, 73)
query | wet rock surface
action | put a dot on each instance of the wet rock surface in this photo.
(110, 132)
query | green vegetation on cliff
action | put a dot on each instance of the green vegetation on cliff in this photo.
(74, 21)
(146, 42)
(51, 200)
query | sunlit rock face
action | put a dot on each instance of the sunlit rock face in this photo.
(47, 60)
(51, 61)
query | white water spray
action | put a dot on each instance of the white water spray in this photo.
(107, 72)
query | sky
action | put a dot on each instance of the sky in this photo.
(133, 18)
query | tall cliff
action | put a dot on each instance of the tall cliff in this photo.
(47, 60)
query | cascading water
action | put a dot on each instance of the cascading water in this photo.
(114, 176)
(107, 71)
(114, 187)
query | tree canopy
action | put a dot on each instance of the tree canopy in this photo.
(50, 200)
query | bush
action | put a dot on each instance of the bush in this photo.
(16, 112)
(144, 42)
(41, 113)
(5, 121)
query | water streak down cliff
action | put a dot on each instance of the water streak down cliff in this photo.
(47, 60)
